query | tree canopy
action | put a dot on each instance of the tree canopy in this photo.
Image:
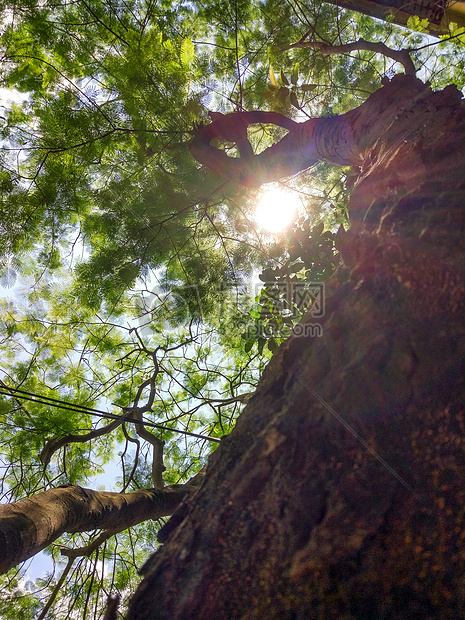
(127, 269)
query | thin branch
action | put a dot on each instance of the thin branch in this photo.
(127, 481)
(53, 402)
(59, 442)
(116, 35)
(87, 550)
(453, 36)
(240, 398)
(62, 75)
(400, 56)
(157, 444)
(56, 589)
(237, 54)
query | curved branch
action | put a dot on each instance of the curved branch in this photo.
(129, 479)
(91, 547)
(240, 398)
(157, 444)
(272, 164)
(400, 56)
(59, 442)
(342, 140)
(234, 129)
(105, 26)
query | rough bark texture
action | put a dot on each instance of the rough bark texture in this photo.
(28, 526)
(438, 13)
(340, 493)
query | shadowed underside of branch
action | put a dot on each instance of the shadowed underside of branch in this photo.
(28, 526)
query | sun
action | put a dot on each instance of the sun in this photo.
(277, 208)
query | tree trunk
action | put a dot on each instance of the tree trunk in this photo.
(340, 492)
(438, 13)
(28, 526)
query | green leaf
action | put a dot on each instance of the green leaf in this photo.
(187, 53)
(48, 76)
(295, 74)
(283, 92)
(248, 345)
(268, 275)
(294, 100)
(457, 32)
(273, 80)
(307, 88)
(272, 345)
(284, 79)
(415, 23)
(296, 267)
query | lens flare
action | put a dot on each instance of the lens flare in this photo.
(277, 208)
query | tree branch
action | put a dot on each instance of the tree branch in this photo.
(59, 442)
(157, 444)
(30, 525)
(91, 547)
(56, 589)
(273, 163)
(342, 140)
(400, 56)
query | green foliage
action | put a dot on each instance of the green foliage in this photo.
(456, 34)
(285, 88)
(291, 288)
(420, 25)
(17, 599)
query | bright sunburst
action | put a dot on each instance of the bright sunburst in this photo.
(277, 208)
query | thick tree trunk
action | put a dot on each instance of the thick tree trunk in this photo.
(28, 526)
(340, 492)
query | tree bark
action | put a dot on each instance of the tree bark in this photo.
(341, 140)
(28, 526)
(340, 492)
(439, 14)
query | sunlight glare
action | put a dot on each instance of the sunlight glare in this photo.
(277, 208)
